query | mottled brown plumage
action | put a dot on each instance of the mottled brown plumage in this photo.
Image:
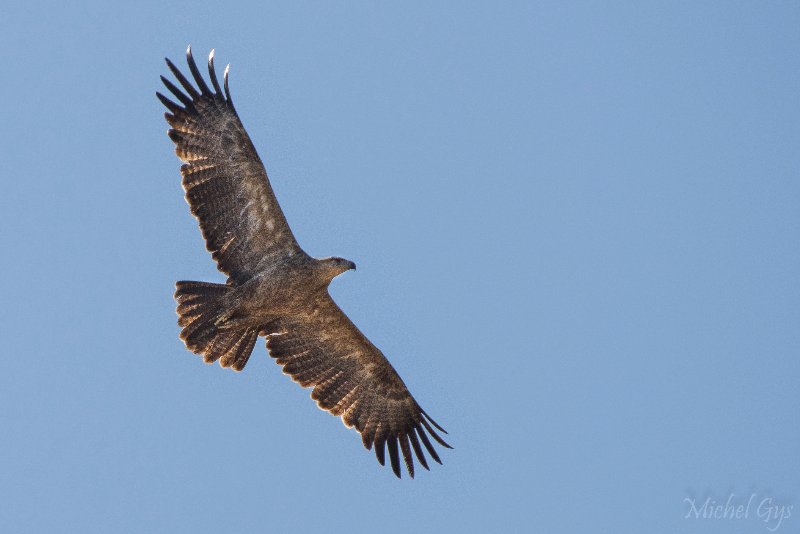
(274, 288)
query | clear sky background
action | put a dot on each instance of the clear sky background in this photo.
(576, 230)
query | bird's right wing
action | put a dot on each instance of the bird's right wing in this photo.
(225, 182)
(354, 380)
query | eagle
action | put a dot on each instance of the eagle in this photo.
(274, 289)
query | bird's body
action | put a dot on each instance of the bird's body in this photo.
(287, 288)
(274, 289)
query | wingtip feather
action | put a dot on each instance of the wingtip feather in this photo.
(428, 445)
(432, 421)
(393, 456)
(406, 450)
(198, 78)
(213, 75)
(225, 83)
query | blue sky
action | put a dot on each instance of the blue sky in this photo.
(576, 229)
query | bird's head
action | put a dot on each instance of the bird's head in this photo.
(335, 266)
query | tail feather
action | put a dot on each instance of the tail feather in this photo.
(236, 349)
(200, 308)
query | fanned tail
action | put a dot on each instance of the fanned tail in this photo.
(200, 313)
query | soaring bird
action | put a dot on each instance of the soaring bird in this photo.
(274, 289)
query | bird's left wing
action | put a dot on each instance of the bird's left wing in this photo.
(354, 380)
(226, 184)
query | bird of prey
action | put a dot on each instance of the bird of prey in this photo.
(274, 289)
